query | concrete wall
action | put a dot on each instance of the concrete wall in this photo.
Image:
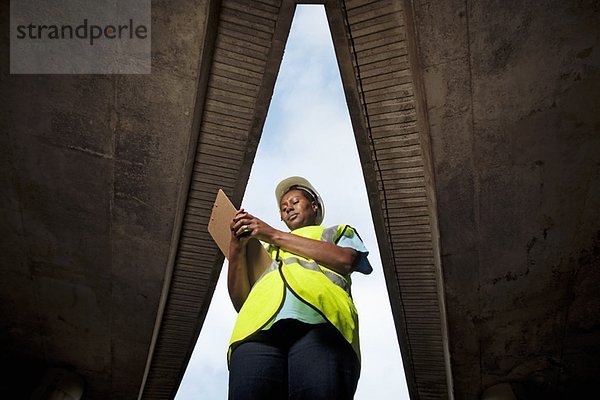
(92, 171)
(512, 91)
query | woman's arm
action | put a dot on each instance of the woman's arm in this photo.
(237, 273)
(339, 259)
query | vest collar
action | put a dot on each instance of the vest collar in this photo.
(309, 231)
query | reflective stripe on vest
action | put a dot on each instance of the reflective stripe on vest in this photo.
(312, 265)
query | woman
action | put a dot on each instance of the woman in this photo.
(296, 335)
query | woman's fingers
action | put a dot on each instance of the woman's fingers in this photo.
(245, 224)
(240, 214)
(241, 228)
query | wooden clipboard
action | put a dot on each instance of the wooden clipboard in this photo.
(257, 258)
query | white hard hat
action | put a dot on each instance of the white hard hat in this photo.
(297, 181)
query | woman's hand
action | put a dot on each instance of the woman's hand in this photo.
(246, 225)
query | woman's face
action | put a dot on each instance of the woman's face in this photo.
(296, 210)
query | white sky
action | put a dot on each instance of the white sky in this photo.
(308, 133)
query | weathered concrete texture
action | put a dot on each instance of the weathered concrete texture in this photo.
(92, 170)
(513, 90)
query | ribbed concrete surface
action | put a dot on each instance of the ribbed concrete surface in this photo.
(396, 154)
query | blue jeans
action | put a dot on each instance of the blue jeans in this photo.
(294, 360)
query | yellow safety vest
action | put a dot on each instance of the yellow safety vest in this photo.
(325, 290)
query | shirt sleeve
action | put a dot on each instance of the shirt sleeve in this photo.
(352, 240)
